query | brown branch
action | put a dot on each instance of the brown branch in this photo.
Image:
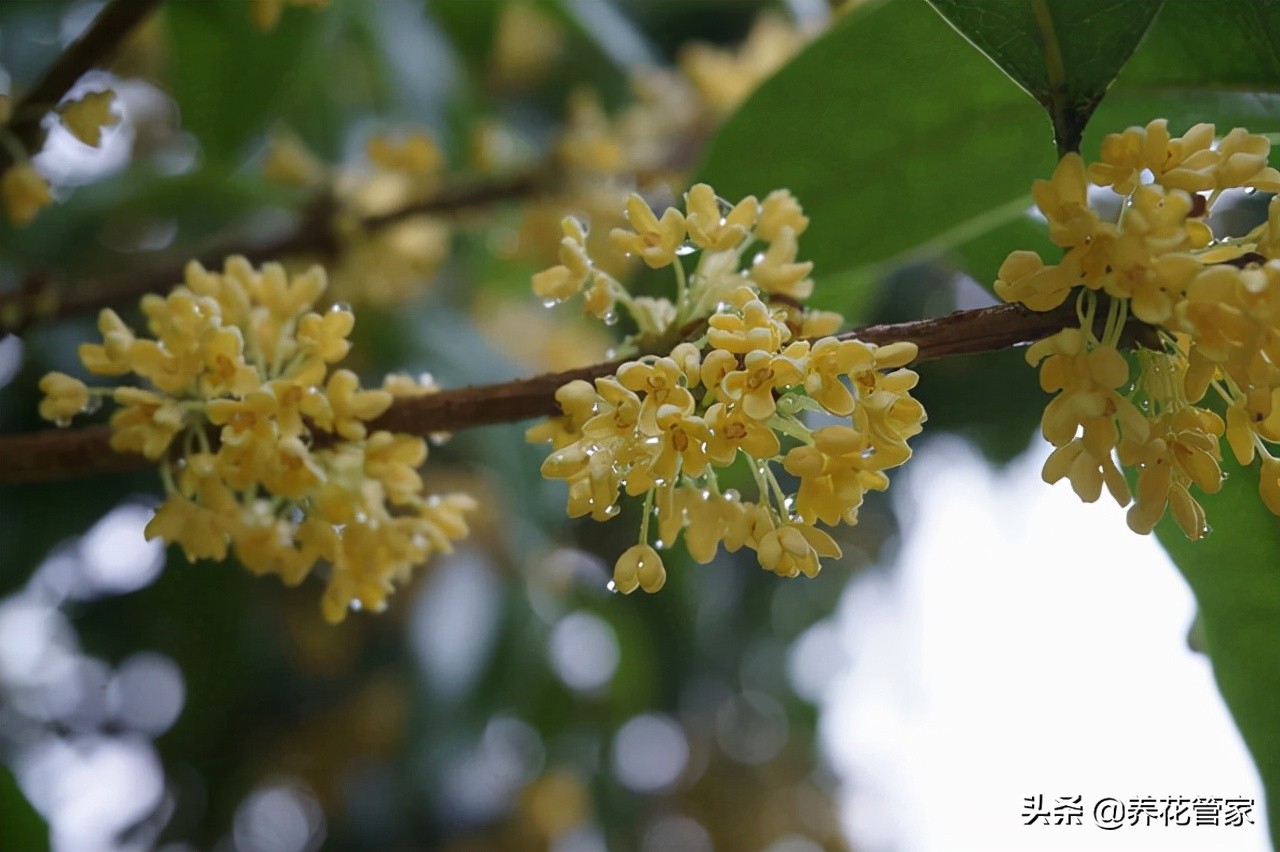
(312, 235)
(91, 48)
(57, 455)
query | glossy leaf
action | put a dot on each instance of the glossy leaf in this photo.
(1064, 53)
(1235, 575)
(883, 129)
(226, 74)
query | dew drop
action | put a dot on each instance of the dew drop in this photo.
(438, 439)
(726, 207)
(612, 586)
(356, 606)
(612, 511)
(1204, 533)
(62, 422)
(550, 303)
(339, 307)
(611, 353)
(732, 495)
(610, 317)
(686, 248)
(758, 259)
(1252, 190)
(659, 544)
(93, 404)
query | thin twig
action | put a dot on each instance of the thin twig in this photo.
(57, 455)
(313, 235)
(90, 49)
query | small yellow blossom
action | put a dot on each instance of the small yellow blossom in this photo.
(654, 240)
(64, 397)
(25, 194)
(86, 116)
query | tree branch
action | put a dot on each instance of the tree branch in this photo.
(312, 235)
(57, 455)
(91, 48)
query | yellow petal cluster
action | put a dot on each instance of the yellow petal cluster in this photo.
(665, 427)
(85, 117)
(1210, 303)
(263, 443)
(378, 261)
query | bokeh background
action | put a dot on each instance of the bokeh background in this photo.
(984, 638)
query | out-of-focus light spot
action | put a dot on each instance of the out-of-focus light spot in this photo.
(793, 843)
(36, 643)
(78, 699)
(282, 817)
(588, 838)
(649, 753)
(584, 651)
(816, 657)
(677, 831)
(454, 622)
(147, 693)
(751, 727)
(116, 556)
(10, 357)
(90, 789)
(481, 783)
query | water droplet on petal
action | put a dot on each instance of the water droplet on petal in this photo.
(337, 307)
(550, 303)
(356, 606)
(686, 248)
(92, 404)
(62, 422)
(659, 544)
(610, 317)
(612, 586)
(612, 511)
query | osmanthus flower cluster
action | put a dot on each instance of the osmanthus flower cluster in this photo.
(263, 444)
(1211, 304)
(23, 190)
(745, 363)
(383, 264)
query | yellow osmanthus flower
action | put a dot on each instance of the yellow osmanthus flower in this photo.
(389, 260)
(88, 115)
(663, 427)
(25, 194)
(724, 78)
(264, 447)
(1211, 304)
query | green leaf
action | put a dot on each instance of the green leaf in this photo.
(1235, 575)
(1217, 62)
(884, 130)
(1064, 53)
(226, 74)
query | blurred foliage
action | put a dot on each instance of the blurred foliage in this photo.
(410, 737)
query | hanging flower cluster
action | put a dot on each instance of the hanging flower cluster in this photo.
(1212, 301)
(263, 446)
(746, 362)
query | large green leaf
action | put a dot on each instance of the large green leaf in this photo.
(1064, 53)
(1235, 575)
(226, 74)
(885, 129)
(1217, 62)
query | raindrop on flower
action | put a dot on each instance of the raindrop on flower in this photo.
(612, 586)
(550, 303)
(659, 544)
(686, 248)
(355, 605)
(610, 317)
(339, 306)
(612, 511)
(93, 404)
